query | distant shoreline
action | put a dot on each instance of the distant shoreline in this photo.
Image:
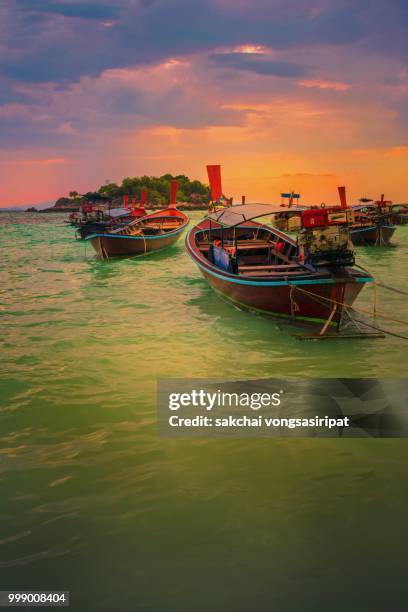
(180, 206)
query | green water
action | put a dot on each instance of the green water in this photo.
(92, 501)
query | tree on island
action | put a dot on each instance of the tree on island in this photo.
(158, 189)
(95, 196)
(193, 194)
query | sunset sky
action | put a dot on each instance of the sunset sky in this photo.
(285, 94)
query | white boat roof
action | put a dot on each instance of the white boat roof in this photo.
(235, 215)
(118, 212)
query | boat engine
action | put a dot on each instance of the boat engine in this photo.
(324, 238)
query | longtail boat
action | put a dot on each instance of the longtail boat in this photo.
(399, 214)
(74, 219)
(373, 224)
(260, 268)
(145, 233)
(94, 219)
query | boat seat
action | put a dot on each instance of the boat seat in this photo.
(272, 273)
(276, 255)
(247, 246)
(284, 257)
(270, 267)
(254, 241)
(254, 246)
(161, 225)
(204, 248)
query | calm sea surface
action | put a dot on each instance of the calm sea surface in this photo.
(93, 501)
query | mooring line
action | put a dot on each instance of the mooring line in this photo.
(347, 308)
(361, 310)
(391, 288)
(384, 331)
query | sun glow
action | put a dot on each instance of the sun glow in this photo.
(251, 49)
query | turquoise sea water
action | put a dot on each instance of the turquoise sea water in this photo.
(93, 501)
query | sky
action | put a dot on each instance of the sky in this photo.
(284, 94)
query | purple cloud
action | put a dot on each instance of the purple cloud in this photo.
(59, 40)
(81, 10)
(51, 48)
(257, 63)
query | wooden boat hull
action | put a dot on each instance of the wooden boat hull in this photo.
(308, 295)
(301, 300)
(97, 227)
(399, 218)
(114, 245)
(91, 228)
(373, 235)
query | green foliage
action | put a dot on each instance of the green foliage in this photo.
(111, 190)
(94, 196)
(158, 189)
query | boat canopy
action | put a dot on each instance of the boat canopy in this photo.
(118, 212)
(235, 215)
(285, 209)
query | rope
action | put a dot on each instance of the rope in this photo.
(294, 307)
(104, 253)
(384, 331)
(381, 315)
(361, 310)
(379, 237)
(375, 301)
(347, 308)
(392, 288)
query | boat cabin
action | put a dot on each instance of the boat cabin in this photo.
(249, 250)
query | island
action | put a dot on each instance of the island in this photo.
(192, 194)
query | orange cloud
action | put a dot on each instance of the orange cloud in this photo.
(397, 151)
(37, 162)
(320, 84)
(307, 175)
(176, 117)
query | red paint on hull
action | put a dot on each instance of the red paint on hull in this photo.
(306, 294)
(304, 301)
